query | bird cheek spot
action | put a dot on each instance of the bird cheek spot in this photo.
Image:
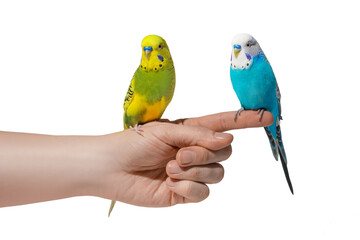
(248, 56)
(161, 58)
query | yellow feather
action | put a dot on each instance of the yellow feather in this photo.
(155, 110)
(152, 86)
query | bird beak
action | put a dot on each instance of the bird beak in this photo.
(237, 50)
(147, 51)
(147, 54)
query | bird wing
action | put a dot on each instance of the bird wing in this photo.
(278, 97)
(129, 95)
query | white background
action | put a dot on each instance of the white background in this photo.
(65, 67)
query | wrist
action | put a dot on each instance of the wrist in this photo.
(105, 168)
(92, 166)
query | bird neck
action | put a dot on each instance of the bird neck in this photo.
(155, 84)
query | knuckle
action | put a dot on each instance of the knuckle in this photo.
(187, 189)
(195, 174)
(175, 175)
(203, 155)
(223, 122)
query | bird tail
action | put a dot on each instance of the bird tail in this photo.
(282, 154)
(111, 207)
(273, 145)
(277, 148)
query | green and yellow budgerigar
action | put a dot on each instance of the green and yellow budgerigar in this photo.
(152, 86)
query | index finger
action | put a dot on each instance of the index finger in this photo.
(224, 121)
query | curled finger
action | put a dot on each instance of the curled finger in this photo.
(211, 173)
(195, 155)
(190, 191)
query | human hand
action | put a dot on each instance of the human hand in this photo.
(171, 162)
(148, 170)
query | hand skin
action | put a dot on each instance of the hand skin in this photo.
(170, 163)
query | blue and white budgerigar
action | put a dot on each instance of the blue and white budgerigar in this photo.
(255, 85)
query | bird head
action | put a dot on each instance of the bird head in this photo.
(155, 51)
(244, 48)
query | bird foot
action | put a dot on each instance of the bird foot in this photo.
(261, 111)
(238, 113)
(137, 129)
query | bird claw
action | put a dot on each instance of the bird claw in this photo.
(261, 111)
(238, 113)
(137, 129)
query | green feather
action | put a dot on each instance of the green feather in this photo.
(155, 85)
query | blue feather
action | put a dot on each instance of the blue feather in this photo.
(161, 58)
(256, 88)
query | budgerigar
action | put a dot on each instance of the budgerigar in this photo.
(152, 86)
(255, 85)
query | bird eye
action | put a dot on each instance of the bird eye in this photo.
(160, 46)
(250, 43)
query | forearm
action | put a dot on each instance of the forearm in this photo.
(36, 168)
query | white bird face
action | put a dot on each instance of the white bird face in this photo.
(244, 48)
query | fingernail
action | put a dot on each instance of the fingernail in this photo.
(170, 183)
(220, 135)
(174, 168)
(187, 157)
